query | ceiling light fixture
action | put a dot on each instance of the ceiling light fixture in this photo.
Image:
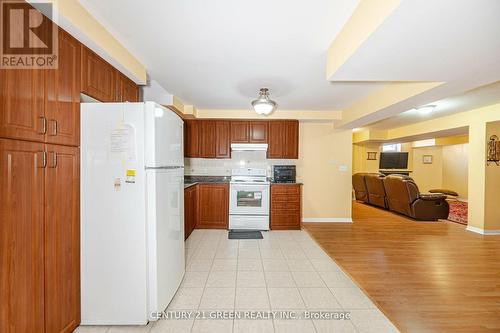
(264, 105)
(427, 109)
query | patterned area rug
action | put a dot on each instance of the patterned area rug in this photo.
(458, 211)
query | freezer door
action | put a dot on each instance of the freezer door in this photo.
(165, 200)
(164, 137)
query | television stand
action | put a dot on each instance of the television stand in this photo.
(387, 172)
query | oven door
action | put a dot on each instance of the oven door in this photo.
(249, 199)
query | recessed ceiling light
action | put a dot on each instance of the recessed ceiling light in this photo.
(427, 109)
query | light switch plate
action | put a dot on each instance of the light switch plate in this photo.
(343, 168)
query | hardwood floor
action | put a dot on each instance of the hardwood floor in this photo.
(425, 276)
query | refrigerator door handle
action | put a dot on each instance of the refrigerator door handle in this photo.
(165, 168)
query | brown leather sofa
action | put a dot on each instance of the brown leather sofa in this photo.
(404, 197)
(376, 191)
(359, 185)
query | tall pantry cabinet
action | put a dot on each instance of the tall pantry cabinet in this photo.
(39, 202)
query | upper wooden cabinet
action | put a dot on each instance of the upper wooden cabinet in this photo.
(44, 105)
(192, 142)
(239, 131)
(63, 94)
(98, 77)
(126, 89)
(208, 139)
(283, 139)
(258, 131)
(223, 133)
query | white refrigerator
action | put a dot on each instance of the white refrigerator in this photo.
(132, 211)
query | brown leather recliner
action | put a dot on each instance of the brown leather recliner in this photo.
(376, 190)
(404, 197)
(360, 191)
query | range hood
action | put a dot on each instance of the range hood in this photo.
(249, 146)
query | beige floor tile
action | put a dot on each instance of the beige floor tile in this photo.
(249, 244)
(252, 298)
(315, 252)
(226, 253)
(285, 298)
(271, 254)
(295, 253)
(334, 326)
(294, 326)
(218, 298)
(249, 265)
(194, 279)
(371, 321)
(212, 326)
(325, 265)
(300, 265)
(319, 299)
(248, 253)
(224, 265)
(199, 265)
(308, 279)
(204, 253)
(336, 279)
(250, 279)
(279, 279)
(269, 244)
(253, 326)
(172, 326)
(221, 279)
(130, 329)
(275, 265)
(352, 298)
(91, 329)
(186, 299)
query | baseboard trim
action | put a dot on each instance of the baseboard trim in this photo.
(482, 231)
(328, 219)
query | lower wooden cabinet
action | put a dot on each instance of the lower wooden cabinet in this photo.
(213, 209)
(190, 209)
(286, 212)
(39, 237)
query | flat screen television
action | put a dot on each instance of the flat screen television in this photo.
(393, 161)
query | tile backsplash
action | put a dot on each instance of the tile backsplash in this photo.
(239, 159)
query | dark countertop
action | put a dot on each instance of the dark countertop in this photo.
(193, 180)
(295, 183)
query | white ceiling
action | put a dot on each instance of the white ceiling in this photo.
(217, 54)
(486, 95)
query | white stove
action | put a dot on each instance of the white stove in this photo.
(249, 199)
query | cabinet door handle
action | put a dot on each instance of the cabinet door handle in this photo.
(44, 125)
(54, 127)
(54, 160)
(44, 160)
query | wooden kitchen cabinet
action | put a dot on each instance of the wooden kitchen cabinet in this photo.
(283, 139)
(213, 207)
(98, 77)
(21, 237)
(126, 89)
(192, 141)
(63, 94)
(62, 239)
(39, 237)
(239, 131)
(208, 139)
(258, 131)
(286, 206)
(223, 134)
(190, 209)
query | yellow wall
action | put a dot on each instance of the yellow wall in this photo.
(427, 176)
(492, 209)
(360, 155)
(455, 168)
(327, 192)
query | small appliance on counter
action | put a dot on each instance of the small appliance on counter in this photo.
(284, 174)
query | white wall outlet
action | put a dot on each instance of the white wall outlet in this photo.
(343, 168)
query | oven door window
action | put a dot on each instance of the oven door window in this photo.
(249, 198)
